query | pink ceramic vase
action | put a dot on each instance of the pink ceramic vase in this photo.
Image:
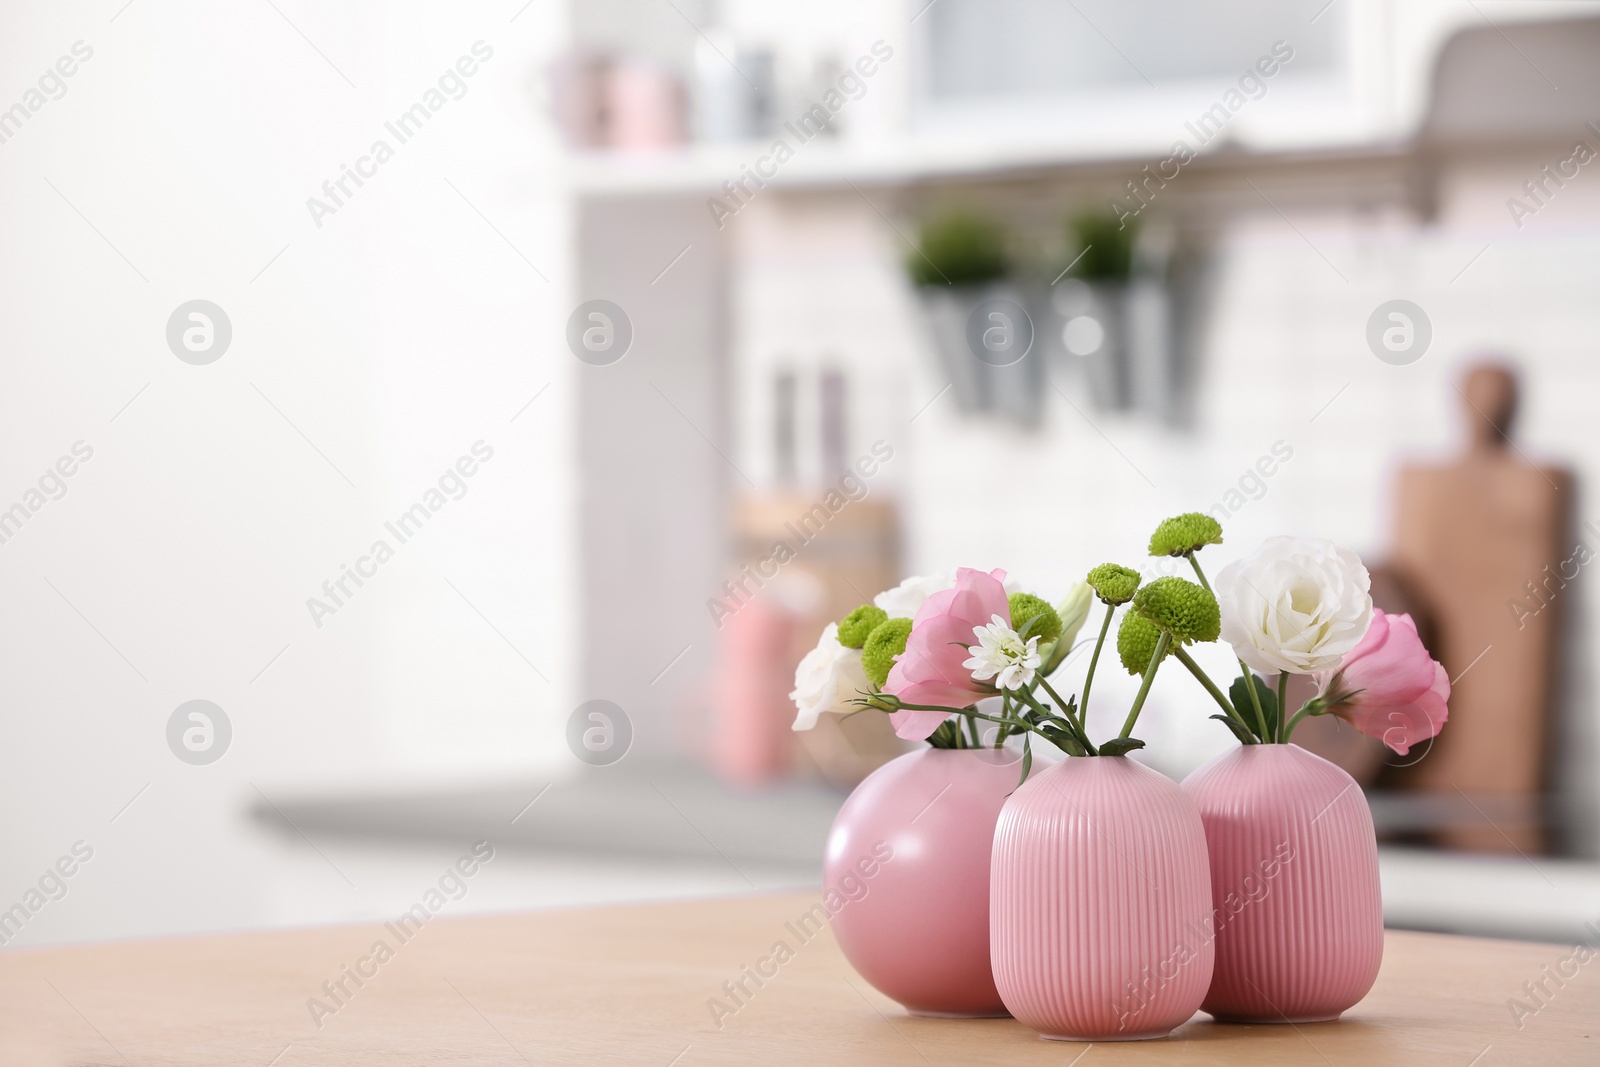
(908, 864)
(1098, 899)
(1294, 873)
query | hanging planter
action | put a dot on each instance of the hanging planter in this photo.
(1082, 325)
(980, 328)
(1085, 310)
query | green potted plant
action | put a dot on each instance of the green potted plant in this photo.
(962, 270)
(1085, 317)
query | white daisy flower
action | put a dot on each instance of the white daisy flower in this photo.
(1002, 655)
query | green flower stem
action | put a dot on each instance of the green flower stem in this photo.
(1064, 705)
(1183, 657)
(1255, 698)
(1311, 708)
(1073, 728)
(1144, 687)
(1283, 696)
(1315, 706)
(1013, 723)
(972, 728)
(1079, 729)
(1088, 681)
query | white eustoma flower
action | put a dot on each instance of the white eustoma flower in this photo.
(1073, 611)
(1295, 604)
(1002, 655)
(827, 678)
(903, 601)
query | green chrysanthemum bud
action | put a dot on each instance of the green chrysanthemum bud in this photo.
(1136, 642)
(1024, 606)
(1186, 534)
(857, 625)
(1183, 609)
(1114, 584)
(885, 642)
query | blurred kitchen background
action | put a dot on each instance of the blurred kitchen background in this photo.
(1199, 218)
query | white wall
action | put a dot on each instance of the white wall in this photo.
(394, 336)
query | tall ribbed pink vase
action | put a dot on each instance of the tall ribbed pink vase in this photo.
(1294, 872)
(908, 860)
(1099, 896)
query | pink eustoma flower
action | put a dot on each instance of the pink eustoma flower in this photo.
(929, 671)
(1403, 690)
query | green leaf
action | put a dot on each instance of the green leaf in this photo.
(1059, 733)
(1244, 736)
(960, 248)
(946, 736)
(1027, 760)
(1239, 694)
(1056, 735)
(1118, 746)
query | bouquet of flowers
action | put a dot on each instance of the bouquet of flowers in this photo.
(929, 650)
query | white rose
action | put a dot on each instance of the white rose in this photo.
(904, 600)
(828, 677)
(1295, 604)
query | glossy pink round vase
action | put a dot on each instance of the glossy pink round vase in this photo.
(1294, 872)
(1099, 896)
(908, 857)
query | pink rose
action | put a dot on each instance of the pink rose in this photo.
(929, 671)
(1404, 690)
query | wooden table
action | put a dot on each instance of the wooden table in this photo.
(631, 985)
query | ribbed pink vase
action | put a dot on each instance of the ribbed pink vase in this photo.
(1099, 896)
(1294, 873)
(908, 864)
